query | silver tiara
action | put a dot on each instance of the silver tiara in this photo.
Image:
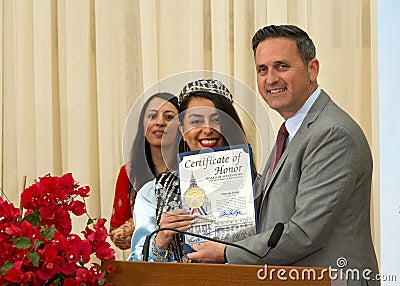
(206, 85)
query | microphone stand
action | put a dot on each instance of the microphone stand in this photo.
(272, 242)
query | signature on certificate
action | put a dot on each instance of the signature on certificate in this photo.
(230, 212)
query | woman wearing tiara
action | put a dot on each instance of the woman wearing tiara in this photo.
(207, 119)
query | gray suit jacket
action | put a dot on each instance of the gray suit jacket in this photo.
(320, 189)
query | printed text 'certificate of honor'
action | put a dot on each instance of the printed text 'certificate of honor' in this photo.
(217, 188)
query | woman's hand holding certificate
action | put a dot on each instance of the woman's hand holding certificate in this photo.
(179, 219)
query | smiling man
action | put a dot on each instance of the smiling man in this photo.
(319, 184)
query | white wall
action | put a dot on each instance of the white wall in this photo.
(389, 126)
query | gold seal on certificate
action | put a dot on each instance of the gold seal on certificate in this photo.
(194, 197)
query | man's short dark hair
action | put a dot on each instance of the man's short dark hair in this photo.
(305, 45)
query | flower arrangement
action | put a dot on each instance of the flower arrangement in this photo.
(38, 247)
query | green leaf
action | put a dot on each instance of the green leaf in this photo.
(50, 234)
(6, 266)
(34, 258)
(101, 281)
(22, 242)
(56, 282)
(33, 218)
(37, 243)
(89, 221)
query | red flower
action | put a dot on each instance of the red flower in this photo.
(77, 208)
(30, 231)
(77, 249)
(84, 191)
(48, 270)
(67, 181)
(89, 276)
(70, 282)
(50, 252)
(103, 250)
(69, 269)
(57, 216)
(8, 211)
(29, 198)
(39, 248)
(12, 275)
(13, 229)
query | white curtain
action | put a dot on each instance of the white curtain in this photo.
(71, 70)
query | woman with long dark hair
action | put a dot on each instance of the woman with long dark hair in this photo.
(146, 162)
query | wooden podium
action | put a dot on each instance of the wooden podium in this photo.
(158, 273)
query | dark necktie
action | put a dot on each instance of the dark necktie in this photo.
(280, 145)
(279, 149)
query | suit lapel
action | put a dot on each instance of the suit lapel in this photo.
(260, 189)
(311, 116)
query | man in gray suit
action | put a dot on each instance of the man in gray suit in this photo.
(320, 188)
